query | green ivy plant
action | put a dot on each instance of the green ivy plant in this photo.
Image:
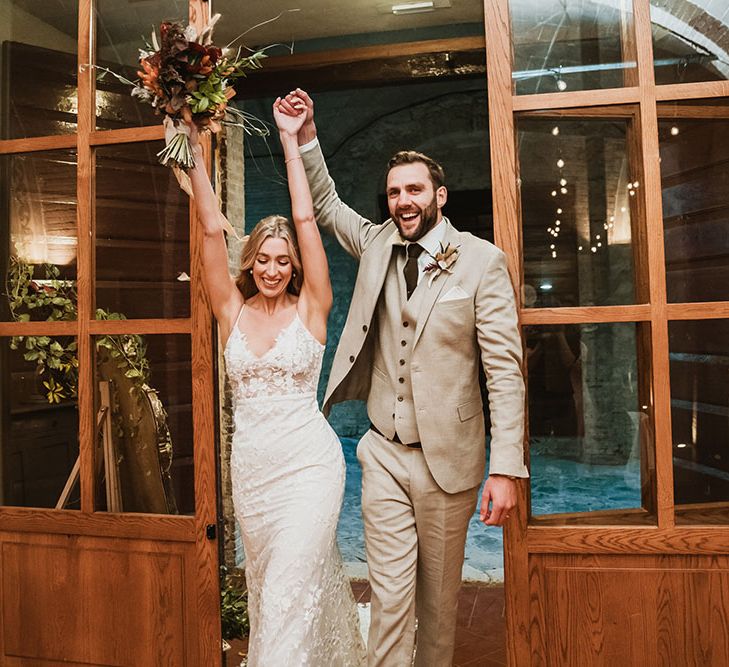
(233, 608)
(52, 299)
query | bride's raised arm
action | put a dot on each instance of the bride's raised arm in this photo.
(316, 290)
(225, 298)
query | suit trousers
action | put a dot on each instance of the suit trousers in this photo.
(415, 535)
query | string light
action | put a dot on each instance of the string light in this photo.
(674, 131)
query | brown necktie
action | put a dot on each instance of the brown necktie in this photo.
(410, 270)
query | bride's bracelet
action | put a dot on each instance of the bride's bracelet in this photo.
(291, 159)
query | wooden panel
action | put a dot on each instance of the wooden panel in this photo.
(631, 611)
(126, 135)
(585, 314)
(38, 328)
(205, 573)
(651, 192)
(94, 602)
(626, 540)
(364, 53)
(698, 311)
(85, 260)
(507, 235)
(68, 522)
(578, 98)
(37, 144)
(688, 91)
(117, 327)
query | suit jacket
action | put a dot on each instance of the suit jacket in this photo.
(452, 336)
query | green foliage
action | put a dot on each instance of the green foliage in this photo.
(234, 609)
(51, 299)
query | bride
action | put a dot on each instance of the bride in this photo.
(286, 463)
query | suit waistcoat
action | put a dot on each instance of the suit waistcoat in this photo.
(390, 404)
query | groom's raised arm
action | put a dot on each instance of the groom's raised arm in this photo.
(353, 231)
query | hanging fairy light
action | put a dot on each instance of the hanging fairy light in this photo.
(554, 230)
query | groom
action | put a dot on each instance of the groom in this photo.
(430, 303)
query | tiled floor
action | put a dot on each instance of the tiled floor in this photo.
(480, 639)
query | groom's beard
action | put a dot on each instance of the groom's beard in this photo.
(428, 220)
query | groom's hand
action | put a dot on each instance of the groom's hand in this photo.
(307, 132)
(500, 493)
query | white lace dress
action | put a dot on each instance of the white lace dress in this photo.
(288, 481)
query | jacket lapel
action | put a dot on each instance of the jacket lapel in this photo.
(372, 272)
(433, 290)
(378, 264)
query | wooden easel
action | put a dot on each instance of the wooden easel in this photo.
(105, 453)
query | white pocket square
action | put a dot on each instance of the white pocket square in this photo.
(454, 293)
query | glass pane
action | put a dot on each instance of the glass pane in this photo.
(699, 352)
(142, 235)
(145, 384)
(122, 29)
(590, 424)
(694, 143)
(39, 64)
(690, 40)
(39, 437)
(578, 186)
(572, 45)
(38, 259)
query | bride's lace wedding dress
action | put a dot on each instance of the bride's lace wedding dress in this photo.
(288, 480)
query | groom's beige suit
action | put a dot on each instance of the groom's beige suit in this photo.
(416, 363)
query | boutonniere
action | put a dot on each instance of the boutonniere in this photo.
(442, 261)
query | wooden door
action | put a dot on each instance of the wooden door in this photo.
(108, 545)
(608, 147)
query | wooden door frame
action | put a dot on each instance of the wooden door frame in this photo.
(524, 537)
(203, 574)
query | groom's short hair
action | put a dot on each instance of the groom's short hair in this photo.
(437, 175)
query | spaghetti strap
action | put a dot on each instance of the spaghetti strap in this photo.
(237, 319)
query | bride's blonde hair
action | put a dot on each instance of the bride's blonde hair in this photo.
(271, 227)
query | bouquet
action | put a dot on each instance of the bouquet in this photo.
(187, 79)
